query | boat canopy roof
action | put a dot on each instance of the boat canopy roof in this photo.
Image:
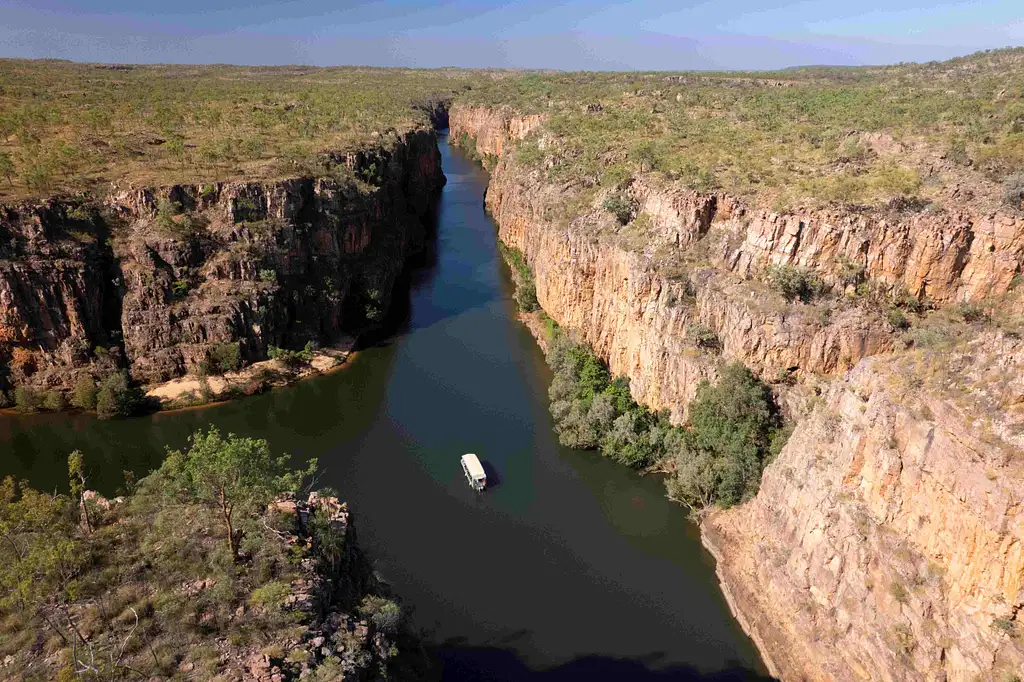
(473, 466)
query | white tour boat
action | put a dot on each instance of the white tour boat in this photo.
(474, 471)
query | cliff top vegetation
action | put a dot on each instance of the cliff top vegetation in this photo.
(201, 571)
(947, 133)
(67, 127)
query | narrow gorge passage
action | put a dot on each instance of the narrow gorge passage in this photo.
(571, 562)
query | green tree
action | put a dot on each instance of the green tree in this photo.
(7, 167)
(40, 560)
(117, 397)
(83, 395)
(233, 477)
(733, 431)
(76, 481)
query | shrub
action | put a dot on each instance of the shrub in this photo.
(293, 358)
(897, 319)
(54, 401)
(269, 276)
(7, 167)
(180, 288)
(620, 206)
(796, 283)
(222, 358)
(206, 393)
(270, 596)
(1004, 625)
(899, 592)
(592, 410)
(117, 397)
(83, 395)
(383, 613)
(972, 312)
(26, 399)
(165, 212)
(526, 288)
(850, 273)
(1013, 190)
(703, 337)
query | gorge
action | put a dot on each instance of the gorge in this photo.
(870, 277)
(505, 584)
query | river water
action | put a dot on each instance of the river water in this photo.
(570, 567)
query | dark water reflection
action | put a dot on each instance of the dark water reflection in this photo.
(572, 567)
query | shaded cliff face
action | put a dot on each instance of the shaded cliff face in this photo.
(256, 264)
(885, 542)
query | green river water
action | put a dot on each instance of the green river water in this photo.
(570, 567)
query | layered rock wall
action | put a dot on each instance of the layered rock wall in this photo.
(639, 318)
(886, 540)
(256, 264)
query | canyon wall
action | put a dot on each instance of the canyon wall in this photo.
(885, 543)
(887, 540)
(638, 316)
(254, 264)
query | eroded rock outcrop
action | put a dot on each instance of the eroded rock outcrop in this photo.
(253, 264)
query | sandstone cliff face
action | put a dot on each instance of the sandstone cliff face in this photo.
(887, 541)
(937, 256)
(636, 316)
(491, 129)
(255, 264)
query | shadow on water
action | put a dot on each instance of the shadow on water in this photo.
(461, 663)
(493, 477)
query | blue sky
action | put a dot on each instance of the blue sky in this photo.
(571, 34)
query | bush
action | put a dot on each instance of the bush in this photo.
(703, 337)
(83, 395)
(592, 410)
(270, 596)
(972, 312)
(54, 401)
(796, 283)
(897, 319)
(117, 397)
(165, 212)
(735, 429)
(620, 206)
(293, 358)
(1013, 190)
(383, 613)
(526, 288)
(269, 276)
(222, 358)
(26, 399)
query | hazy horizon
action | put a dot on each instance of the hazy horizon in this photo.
(569, 35)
